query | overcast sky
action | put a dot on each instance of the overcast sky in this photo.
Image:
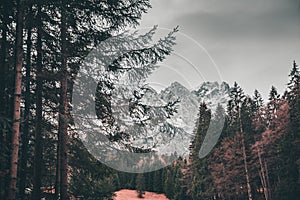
(253, 42)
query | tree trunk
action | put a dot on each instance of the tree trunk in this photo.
(262, 175)
(63, 118)
(25, 136)
(3, 85)
(17, 101)
(57, 173)
(268, 181)
(246, 168)
(245, 156)
(38, 155)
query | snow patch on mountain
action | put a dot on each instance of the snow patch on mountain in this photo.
(212, 93)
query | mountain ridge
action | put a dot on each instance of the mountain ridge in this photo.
(212, 93)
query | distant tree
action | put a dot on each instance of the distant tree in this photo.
(89, 177)
(237, 96)
(259, 121)
(290, 174)
(227, 168)
(267, 152)
(157, 181)
(234, 147)
(169, 178)
(140, 185)
(294, 100)
(180, 191)
(199, 175)
(293, 83)
(258, 100)
(274, 97)
(149, 179)
(248, 110)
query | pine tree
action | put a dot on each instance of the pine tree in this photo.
(272, 105)
(236, 129)
(291, 151)
(248, 110)
(237, 96)
(38, 152)
(179, 188)
(201, 127)
(140, 185)
(169, 181)
(267, 152)
(294, 99)
(125, 77)
(89, 179)
(198, 174)
(294, 79)
(157, 181)
(27, 112)
(258, 100)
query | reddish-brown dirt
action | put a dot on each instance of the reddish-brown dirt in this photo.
(132, 195)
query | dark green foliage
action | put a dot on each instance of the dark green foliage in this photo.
(289, 186)
(157, 181)
(237, 97)
(199, 176)
(140, 185)
(126, 181)
(169, 180)
(247, 114)
(90, 178)
(257, 100)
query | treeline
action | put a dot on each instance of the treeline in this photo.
(257, 156)
(43, 44)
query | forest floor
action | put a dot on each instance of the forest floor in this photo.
(132, 195)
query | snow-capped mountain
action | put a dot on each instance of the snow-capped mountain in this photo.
(212, 93)
(187, 107)
(160, 132)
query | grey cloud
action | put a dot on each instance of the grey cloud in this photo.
(247, 38)
(246, 25)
